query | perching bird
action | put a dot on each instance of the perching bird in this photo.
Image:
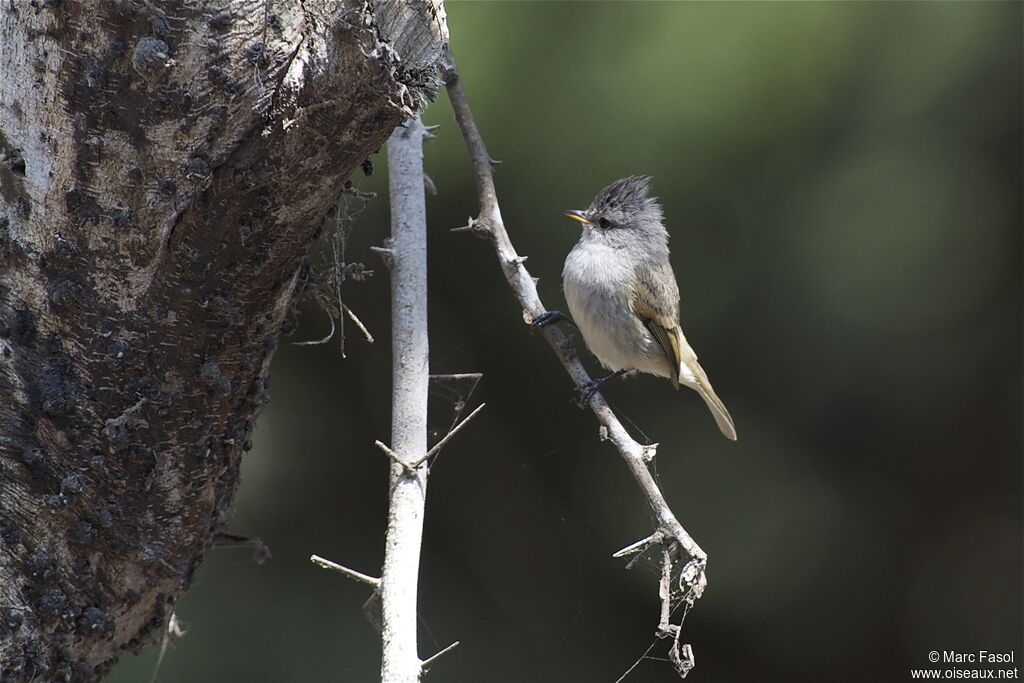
(623, 295)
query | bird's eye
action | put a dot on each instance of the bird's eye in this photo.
(604, 223)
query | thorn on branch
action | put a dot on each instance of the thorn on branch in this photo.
(480, 227)
(425, 664)
(447, 437)
(409, 469)
(639, 548)
(261, 552)
(386, 253)
(324, 563)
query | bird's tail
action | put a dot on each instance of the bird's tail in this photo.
(700, 383)
(692, 374)
(717, 408)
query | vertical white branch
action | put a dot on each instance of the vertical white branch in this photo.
(410, 376)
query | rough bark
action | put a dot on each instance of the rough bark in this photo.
(163, 166)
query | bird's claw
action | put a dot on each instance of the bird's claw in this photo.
(588, 389)
(548, 318)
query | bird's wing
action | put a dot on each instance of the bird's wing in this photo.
(656, 303)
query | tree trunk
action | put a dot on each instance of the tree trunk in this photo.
(163, 166)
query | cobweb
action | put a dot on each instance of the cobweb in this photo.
(449, 397)
(680, 584)
(328, 270)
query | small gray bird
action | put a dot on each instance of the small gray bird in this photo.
(623, 295)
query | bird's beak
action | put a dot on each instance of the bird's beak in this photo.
(578, 216)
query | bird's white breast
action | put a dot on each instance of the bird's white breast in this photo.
(599, 285)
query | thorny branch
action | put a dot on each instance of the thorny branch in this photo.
(395, 592)
(670, 534)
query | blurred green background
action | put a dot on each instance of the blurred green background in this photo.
(843, 189)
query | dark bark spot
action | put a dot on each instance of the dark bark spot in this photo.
(102, 516)
(14, 619)
(97, 77)
(221, 20)
(24, 327)
(83, 532)
(117, 48)
(72, 199)
(39, 566)
(117, 436)
(212, 377)
(55, 387)
(52, 604)
(63, 249)
(119, 349)
(167, 186)
(15, 161)
(196, 169)
(122, 218)
(91, 621)
(32, 456)
(254, 54)
(64, 291)
(151, 57)
(9, 532)
(72, 484)
(219, 77)
(220, 115)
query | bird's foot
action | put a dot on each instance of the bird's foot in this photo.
(549, 318)
(588, 389)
